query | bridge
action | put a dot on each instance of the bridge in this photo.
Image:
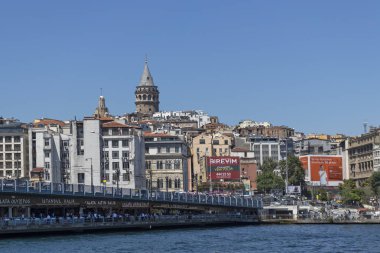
(27, 208)
(23, 198)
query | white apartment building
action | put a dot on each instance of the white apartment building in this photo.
(199, 116)
(13, 149)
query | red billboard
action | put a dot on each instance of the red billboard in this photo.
(223, 167)
(323, 169)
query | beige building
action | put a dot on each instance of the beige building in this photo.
(204, 145)
(166, 162)
(361, 151)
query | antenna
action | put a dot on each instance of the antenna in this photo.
(365, 124)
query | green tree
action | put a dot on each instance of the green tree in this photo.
(374, 183)
(296, 174)
(349, 192)
(268, 179)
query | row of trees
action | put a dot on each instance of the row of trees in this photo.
(273, 174)
(350, 193)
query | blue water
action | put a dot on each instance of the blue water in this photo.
(263, 238)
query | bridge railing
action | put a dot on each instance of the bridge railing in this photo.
(25, 186)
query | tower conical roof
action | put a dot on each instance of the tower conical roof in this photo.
(146, 78)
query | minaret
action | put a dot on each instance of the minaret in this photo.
(147, 94)
(101, 111)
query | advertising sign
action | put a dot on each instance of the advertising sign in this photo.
(323, 170)
(223, 167)
(294, 189)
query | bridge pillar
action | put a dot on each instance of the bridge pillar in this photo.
(10, 212)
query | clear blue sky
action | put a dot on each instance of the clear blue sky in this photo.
(311, 65)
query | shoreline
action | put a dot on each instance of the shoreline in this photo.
(67, 229)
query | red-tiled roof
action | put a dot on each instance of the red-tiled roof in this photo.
(47, 122)
(240, 149)
(38, 170)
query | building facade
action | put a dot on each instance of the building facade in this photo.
(362, 152)
(203, 146)
(13, 149)
(166, 162)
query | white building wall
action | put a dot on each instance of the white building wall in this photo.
(91, 131)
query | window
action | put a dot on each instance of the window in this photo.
(215, 142)
(225, 142)
(177, 164)
(170, 183)
(146, 150)
(167, 149)
(158, 149)
(115, 165)
(126, 177)
(105, 144)
(115, 154)
(1, 139)
(1, 173)
(8, 156)
(105, 154)
(125, 154)
(202, 141)
(125, 143)
(8, 139)
(168, 166)
(80, 178)
(107, 177)
(17, 156)
(8, 165)
(115, 143)
(1, 156)
(125, 165)
(177, 149)
(47, 142)
(177, 183)
(115, 177)
(47, 165)
(47, 154)
(1, 147)
(1, 165)
(16, 139)
(8, 147)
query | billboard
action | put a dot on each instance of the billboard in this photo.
(294, 189)
(323, 170)
(223, 167)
